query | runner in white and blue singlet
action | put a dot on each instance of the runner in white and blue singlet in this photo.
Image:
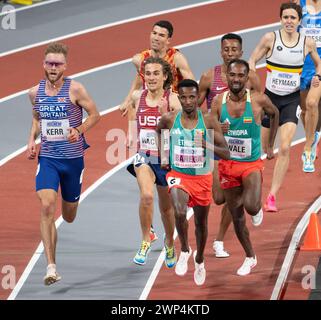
(57, 117)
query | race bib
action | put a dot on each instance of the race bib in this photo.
(314, 33)
(240, 148)
(147, 139)
(285, 81)
(188, 157)
(55, 130)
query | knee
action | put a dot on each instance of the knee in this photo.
(69, 218)
(147, 199)
(311, 104)
(284, 149)
(218, 198)
(48, 207)
(253, 208)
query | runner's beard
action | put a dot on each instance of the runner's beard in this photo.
(57, 78)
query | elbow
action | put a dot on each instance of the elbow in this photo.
(227, 155)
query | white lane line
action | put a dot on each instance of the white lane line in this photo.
(109, 25)
(158, 264)
(120, 62)
(296, 237)
(102, 113)
(39, 250)
(160, 260)
(3, 13)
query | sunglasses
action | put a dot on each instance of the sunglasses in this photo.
(54, 64)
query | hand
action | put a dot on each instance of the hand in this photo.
(163, 105)
(269, 153)
(315, 82)
(73, 135)
(31, 150)
(165, 164)
(123, 108)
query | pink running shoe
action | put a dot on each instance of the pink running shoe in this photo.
(270, 204)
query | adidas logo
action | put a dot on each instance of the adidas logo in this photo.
(176, 131)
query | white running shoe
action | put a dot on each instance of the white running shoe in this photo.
(200, 272)
(218, 247)
(51, 276)
(247, 266)
(181, 265)
(258, 218)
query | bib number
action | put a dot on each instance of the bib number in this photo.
(55, 130)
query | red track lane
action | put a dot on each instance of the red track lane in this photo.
(270, 242)
(23, 69)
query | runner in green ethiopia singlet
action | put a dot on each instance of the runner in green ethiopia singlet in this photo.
(186, 153)
(244, 135)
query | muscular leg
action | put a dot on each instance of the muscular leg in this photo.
(287, 132)
(311, 115)
(234, 200)
(218, 197)
(201, 230)
(48, 199)
(180, 200)
(145, 179)
(252, 192)
(167, 214)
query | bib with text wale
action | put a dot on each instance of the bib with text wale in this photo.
(240, 148)
(55, 130)
(188, 157)
(285, 81)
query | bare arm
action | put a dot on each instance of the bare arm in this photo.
(312, 49)
(255, 82)
(174, 104)
(272, 111)
(204, 86)
(82, 99)
(262, 49)
(132, 125)
(35, 126)
(162, 130)
(136, 85)
(183, 66)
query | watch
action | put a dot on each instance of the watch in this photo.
(317, 75)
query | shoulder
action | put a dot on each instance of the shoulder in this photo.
(258, 97)
(76, 88)
(137, 59)
(268, 38)
(137, 94)
(179, 57)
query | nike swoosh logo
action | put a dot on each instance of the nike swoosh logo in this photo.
(76, 198)
(220, 88)
(42, 100)
(143, 110)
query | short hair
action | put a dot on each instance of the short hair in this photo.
(188, 83)
(239, 61)
(165, 24)
(57, 47)
(291, 5)
(167, 70)
(232, 36)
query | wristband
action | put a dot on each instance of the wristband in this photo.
(78, 131)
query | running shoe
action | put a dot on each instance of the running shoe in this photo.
(51, 276)
(257, 219)
(142, 253)
(200, 272)
(152, 234)
(181, 265)
(308, 161)
(170, 255)
(247, 266)
(270, 204)
(218, 247)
